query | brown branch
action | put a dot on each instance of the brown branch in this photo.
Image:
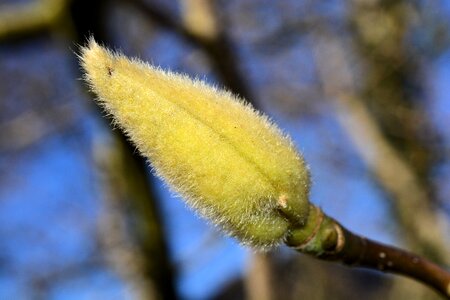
(359, 251)
(363, 252)
(331, 241)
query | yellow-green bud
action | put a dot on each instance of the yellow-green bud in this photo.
(230, 163)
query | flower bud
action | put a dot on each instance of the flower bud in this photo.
(229, 162)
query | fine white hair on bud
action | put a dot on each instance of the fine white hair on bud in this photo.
(229, 162)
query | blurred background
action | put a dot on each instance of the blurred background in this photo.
(362, 86)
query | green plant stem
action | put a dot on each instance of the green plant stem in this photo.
(324, 238)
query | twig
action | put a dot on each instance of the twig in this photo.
(331, 241)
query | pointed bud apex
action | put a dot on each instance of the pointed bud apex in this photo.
(230, 163)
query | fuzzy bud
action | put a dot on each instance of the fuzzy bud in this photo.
(230, 163)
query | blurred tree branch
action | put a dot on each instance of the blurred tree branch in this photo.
(31, 126)
(132, 226)
(43, 283)
(207, 35)
(199, 19)
(129, 229)
(18, 20)
(415, 215)
(423, 227)
(258, 281)
(393, 87)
